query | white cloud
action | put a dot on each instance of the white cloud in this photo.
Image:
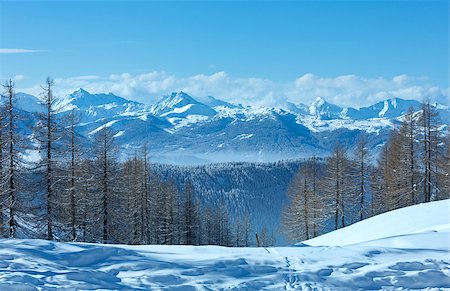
(18, 77)
(17, 51)
(345, 90)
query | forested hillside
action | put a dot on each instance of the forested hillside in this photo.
(73, 190)
(254, 189)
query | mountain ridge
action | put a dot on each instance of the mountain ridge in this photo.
(202, 130)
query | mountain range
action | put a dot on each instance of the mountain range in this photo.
(181, 129)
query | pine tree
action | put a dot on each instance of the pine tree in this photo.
(317, 203)
(246, 224)
(264, 237)
(132, 191)
(362, 165)
(338, 186)
(48, 133)
(409, 132)
(154, 208)
(429, 139)
(167, 226)
(9, 171)
(190, 221)
(87, 204)
(104, 154)
(302, 216)
(398, 168)
(73, 175)
(146, 203)
(378, 183)
(396, 192)
(2, 177)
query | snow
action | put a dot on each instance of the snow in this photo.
(27, 102)
(178, 109)
(409, 250)
(108, 124)
(186, 121)
(244, 136)
(29, 157)
(143, 117)
(394, 102)
(108, 106)
(120, 133)
(409, 220)
(314, 107)
(373, 125)
(178, 119)
(385, 109)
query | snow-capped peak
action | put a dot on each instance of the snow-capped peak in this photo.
(315, 105)
(174, 100)
(80, 93)
(214, 102)
(82, 98)
(319, 101)
(180, 107)
(324, 110)
(178, 99)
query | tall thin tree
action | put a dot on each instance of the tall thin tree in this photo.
(362, 164)
(47, 134)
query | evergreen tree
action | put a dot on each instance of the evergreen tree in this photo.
(47, 134)
(395, 191)
(362, 166)
(73, 174)
(9, 172)
(190, 221)
(430, 140)
(106, 178)
(338, 186)
(408, 131)
(303, 216)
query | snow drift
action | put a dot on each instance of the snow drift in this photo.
(402, 249)
(383, 229)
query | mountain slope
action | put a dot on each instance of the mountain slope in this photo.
(258, 189)
(391, 108)
(178, 108)
(413, 263)
(180, 129)
(324, 110)
(412, 220)
(28, 103)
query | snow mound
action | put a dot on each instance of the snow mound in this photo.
(394, 227)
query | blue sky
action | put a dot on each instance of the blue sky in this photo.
(271, 42)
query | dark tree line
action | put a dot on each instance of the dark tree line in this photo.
(74, 192)
(413, 167)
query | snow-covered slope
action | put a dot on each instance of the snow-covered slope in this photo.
(28, 103)
(180, 109)
(323, 110)
(421, 261)
(393, 226)
(92, 107)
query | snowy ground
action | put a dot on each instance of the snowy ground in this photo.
(404, 249)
